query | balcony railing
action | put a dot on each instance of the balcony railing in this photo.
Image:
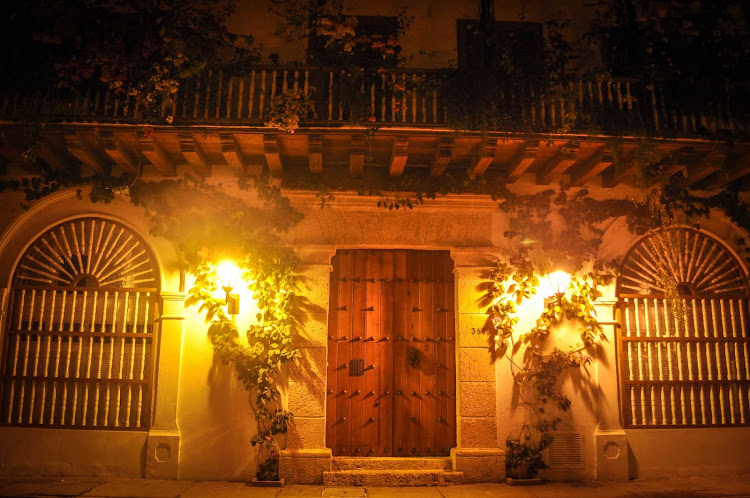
(406, 97)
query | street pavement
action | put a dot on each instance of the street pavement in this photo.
(688, 486)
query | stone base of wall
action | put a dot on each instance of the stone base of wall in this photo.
(612, 456)
(162, 455)
(479, 464)
(304, 466)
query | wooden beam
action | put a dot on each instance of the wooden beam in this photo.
(678, 161)
(58, 160)
(230, 150)
(357, 155)
(484, 157)
(10, 150)
(555, 166)
(735, 167)
(399, 156)
(86, 149)
(702, 167)
(159, 157)
(443, 156)
(273, 156)
(193, 153)
(120, 153)
(581, 174)
(627, 167)
(315, 153)
(629, 163)
(523, 158)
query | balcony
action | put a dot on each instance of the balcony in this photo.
(408, 98)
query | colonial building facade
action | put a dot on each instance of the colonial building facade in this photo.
(107, 372)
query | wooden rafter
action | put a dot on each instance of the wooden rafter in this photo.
(58, 160)
(85, 148)
(315, 153)
(159, 157)
(230, 150)
(443, 156)
(485, 154)
(399, 156)
(555, 166)
(701, 167)
(193, 153)
(273, 155)
(523, 158)
(357, 155)
(735, 167)
(120, 153)
(589, 168)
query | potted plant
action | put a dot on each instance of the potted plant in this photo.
(525, 457)
(268, 450)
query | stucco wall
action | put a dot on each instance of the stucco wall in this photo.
(214, 421)
(29, 451)
(669, 452)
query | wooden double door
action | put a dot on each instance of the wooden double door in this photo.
(391, 354)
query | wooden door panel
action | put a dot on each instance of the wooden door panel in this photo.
(427, 366)
(343, 427)
(384, 401)
(400, 371)
(372, 419)
(359, 353)
(391, 369)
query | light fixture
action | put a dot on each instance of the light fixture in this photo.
(558, 282)
(229, 276)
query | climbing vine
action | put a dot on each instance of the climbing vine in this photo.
(556, 228)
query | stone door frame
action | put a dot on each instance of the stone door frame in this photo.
(476, 454)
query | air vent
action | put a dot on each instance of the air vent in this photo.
(566, 450)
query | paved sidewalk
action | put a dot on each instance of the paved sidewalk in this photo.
(708, 486)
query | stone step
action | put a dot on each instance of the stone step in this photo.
(391, 463)
(392, 478)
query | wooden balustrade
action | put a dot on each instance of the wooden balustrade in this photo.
(397, 97)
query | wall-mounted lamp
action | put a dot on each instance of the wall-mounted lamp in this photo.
(558, 283)
(229, 276)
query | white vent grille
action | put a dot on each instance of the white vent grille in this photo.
(566, 450)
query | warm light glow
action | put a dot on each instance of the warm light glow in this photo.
(229, 274)
(558, 282)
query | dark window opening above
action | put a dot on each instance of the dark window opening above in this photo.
(511, 47)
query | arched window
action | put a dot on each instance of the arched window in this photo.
(683, 344)
(79, 337)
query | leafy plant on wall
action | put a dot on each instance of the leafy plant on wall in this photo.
(137, 49)
(573, 243)
(537, 376)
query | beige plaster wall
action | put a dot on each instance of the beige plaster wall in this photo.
(214, 420)
(664, 453)
(31, 451)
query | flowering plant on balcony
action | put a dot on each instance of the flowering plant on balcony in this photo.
(288, 108)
